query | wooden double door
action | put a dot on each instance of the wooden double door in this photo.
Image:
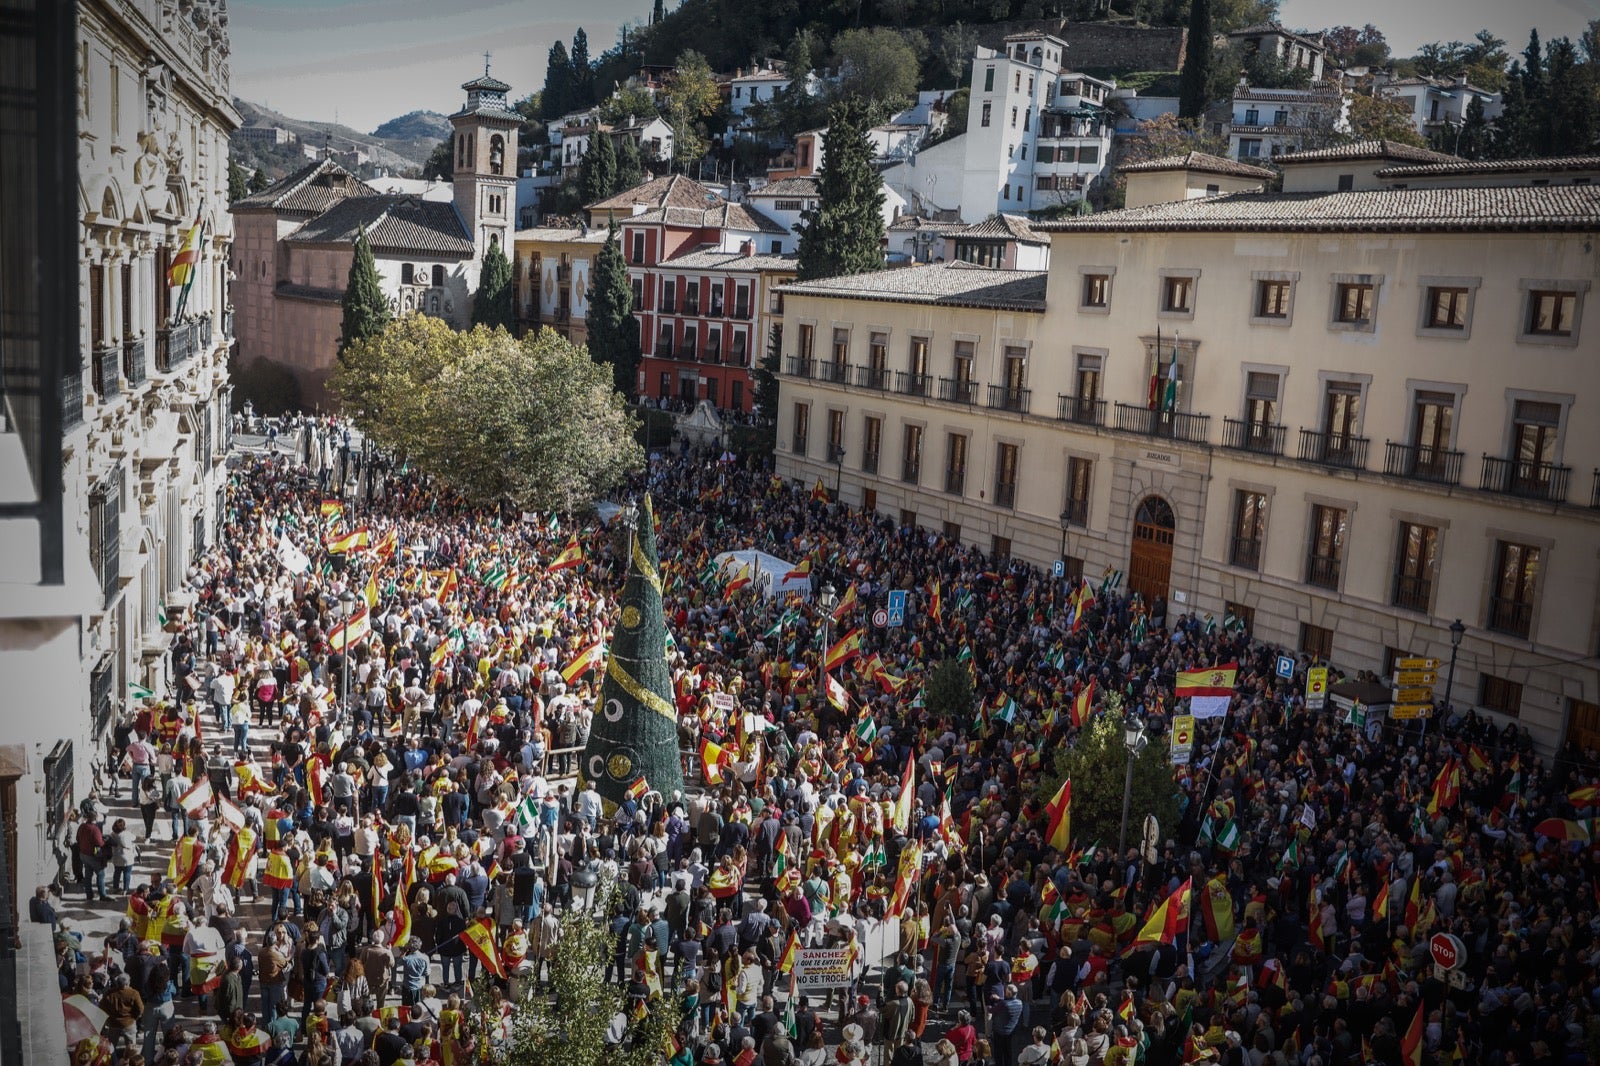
(1150, 556)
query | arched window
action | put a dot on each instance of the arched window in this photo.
(1155, 511)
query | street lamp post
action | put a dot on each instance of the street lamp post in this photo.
(1066, 524)
(1134, 740)
(1457, 631)
(838, 471)
(827, 599)
(347, 600)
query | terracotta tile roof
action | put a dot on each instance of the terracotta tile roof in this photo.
(915, 224)
(940, 284)
(494, 85)
(1322, 97)
(310, 190)
(674, 190)
(1444, 210)
(405, 225)
(714, 259)
(568, 234)
(484, 111)
(801, 187)
(1357, 150)
(1202, 162)
(1002, 227)
(1492, 166)
(717, 215)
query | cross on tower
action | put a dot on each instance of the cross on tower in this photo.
(486, 64)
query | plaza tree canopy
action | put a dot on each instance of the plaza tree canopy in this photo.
(534, 423)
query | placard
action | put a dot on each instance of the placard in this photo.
(822, 968)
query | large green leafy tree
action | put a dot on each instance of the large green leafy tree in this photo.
(492, 305)
(844, 233)
(238, 183)
(1097, 762)
(613, 331)
(366, 311)
(567, 1022)
(534, 423)
(597, 174)
(1194, 81)
(949, 694)
(877, 65)
(692, 97)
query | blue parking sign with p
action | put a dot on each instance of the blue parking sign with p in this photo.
(1285, 666)
(1059, 568)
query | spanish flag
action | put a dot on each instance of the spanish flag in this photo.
(1446, 787)
(1218, 910)
(1167, 920)
(570, 556)
(185, 861)
(1411, 1044)
(935, 605)
(584, 661)
(279, 874)
(902, 803)
(848, 647)
(791, 951)
(1380, 902)
(846, 603)
(905, 878)
(330, 510)
(803, 570)
(725, 882)
(401, 916)
(1587, 796)
(387, 546)
(743, 577)
(1060, 811)
(638, 789)
(240, 851)
(353, 631)
(1214, 681)
(249, 779)
(713, 757)
(819, 492)
(479, 938)
(356, 538)
(1083, 705)
(182, 271)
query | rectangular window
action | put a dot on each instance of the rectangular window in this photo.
(1328, 527)
(1414, 566)
(1346, 182)
(741, 302)
(878, 361)
(1005, 475)
(841, 346)
(637, 287)
(988, 81)
(985, 120)
(1089, 153)
(802, 427)
(713, 344)
(664, 340)
(408, 273)
(1087, 378)
(835, 435)
(736, 395)
(739, 356)
(1260, 403)
(871, 443)
(1499, 695)
(999, 547)
(1354, 303)
(1177, 294)
(1515, 579)
(1280, 117)
(1551, 312)
(1079, 474)
(1272, 299)
(638, 249)
(438, 276)
(911, 455)
(1447, 307)
(1249, 529)
(1096, 290)
(669, 298)
(807, 336)
(955, 463)
(1316, 642)
(691, 298)
(951, 531)
(1341, 416)
(1252, 117)
(715, 296)
(919, 356)
(1433, 420)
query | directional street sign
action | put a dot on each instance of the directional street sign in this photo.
(1416, 664)
(1424, 694)
(1416, 677)
(1411, 710)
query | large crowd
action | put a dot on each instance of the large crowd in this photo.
(413, 837)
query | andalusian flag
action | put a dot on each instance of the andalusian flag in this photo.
(1059, 810)
(867, 729)
(184, 264)
(848, 648)
(570, 556)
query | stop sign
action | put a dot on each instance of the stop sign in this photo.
(1447, 950)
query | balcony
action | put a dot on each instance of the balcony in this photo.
(1174, 425)
(909, 384)
(958, 390)
(716, 309)
(1005, 494)
(72, 399)
(872, 377)
(798, 366)
(1010, 398)
(1526, 478)
(1246, 552)
(800, 443)
(1412, 593)
(869, 462)
(831, 371)
(911, 471)
(663, 350)
(711, 355)
(1333, 449)
(133, 361)
(955, 481)
(1082, 410)
(104, 366)
(1435, 465)
(563, 314)
(1323, 571)
(174, 345)
(1076, 512)
(669, 307)
(1263, 438)
(1513, 617)
(691, 307)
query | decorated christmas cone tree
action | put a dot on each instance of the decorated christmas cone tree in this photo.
(633, 742)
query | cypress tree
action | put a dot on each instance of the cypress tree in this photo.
(582, 72)
(597, 174)
(259, 180)
(658, 12)
(238, 184)
(556, 99)
(492, 306)
(630, 168)
(613, 331)
(366, 311)
(1196, 75)
(844, 233)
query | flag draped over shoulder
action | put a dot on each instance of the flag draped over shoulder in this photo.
(902, 803)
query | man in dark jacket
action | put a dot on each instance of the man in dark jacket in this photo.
(230, 994)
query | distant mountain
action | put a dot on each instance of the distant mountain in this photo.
(399, 152)
(427, 126)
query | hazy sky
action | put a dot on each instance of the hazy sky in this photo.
(371, 60)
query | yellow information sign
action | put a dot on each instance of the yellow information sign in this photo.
(1316, 688)
(1182, 738)
(1423, 694)
(1411, 710)
(1416, 664)
(1416, 677)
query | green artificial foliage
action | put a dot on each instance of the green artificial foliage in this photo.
(844, 233)
(635, 732)
(1196, 74)
(492, 305)
(613, 331)
(366, 311)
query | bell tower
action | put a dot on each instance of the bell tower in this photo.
(485, 153)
